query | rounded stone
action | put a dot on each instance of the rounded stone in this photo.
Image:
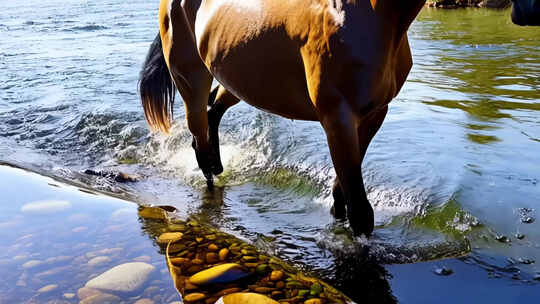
(32, 264)
(48, 288)
(69, 295)
(223, 253)
(276, 275)
(213, 247)
(86, 292)
(99, 260)
(220, 274)
(192, 297)
(313, 301)
(126, 277)
(211, 257)
(169, 237)
(245, 297)
(102, 298)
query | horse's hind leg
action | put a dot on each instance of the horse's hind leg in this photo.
(223, 100)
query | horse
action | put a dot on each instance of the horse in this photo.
(338, 62)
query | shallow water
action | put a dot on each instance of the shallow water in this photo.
(454, 167)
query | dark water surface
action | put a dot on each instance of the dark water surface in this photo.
(454, 171)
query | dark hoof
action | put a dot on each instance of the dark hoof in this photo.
(209, 181)
(217, 169)
(361, 219)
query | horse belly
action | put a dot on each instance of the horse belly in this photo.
(264, 67)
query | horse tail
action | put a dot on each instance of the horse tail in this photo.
(157, 89)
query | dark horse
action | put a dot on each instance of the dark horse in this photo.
(339, 62)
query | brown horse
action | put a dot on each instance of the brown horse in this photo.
(339, 62)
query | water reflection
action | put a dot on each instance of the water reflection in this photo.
(493, 73)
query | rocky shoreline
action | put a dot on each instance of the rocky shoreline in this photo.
(469, 3)
(209, 266)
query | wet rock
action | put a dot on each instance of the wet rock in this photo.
(313, 301)
(47, 288)
(527, 220)
(223, 253)
(152, 213)
(519, 236)
(211, 258)
(192, 297)
(102, 298)
(224, 273)
(245, 297)
(502, 238)
(276, 275)
(525, 261)
(262, 269)
(119, 176)
(127, 277)
(315, 289)
(443, 271)
(536, 277)
(69, 295)
(32, 264)
(86, 292)
(169, 237)
(213, 247)
(99, 260)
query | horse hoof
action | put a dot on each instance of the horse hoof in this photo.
(217, 169)
(361, 221)
(209, 181)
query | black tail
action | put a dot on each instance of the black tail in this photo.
(157, 89)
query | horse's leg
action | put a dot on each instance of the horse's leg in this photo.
(223, 100)
(369, 129)
(338, 208)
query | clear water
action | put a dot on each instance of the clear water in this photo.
(452, 169)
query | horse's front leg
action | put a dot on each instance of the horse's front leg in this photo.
(220, 100)
(366, 131)
(348, 136)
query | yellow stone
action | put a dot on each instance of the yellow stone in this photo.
(276, 275)
(213, 247)
(223, 253)
(196, 296)
(190, 286)
(169, 237)
(211, 257)
(247, 297)
(197, 262)
(199, 239)
(153, 213)
(224, 273)
(313, 301)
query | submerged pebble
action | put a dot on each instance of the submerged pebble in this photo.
(443, 271)
(99, 260)
(502, 238)
(169, 237)
(48, 288)
(102, 298)
(127, 277)
(224, 273)
(244, 298)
